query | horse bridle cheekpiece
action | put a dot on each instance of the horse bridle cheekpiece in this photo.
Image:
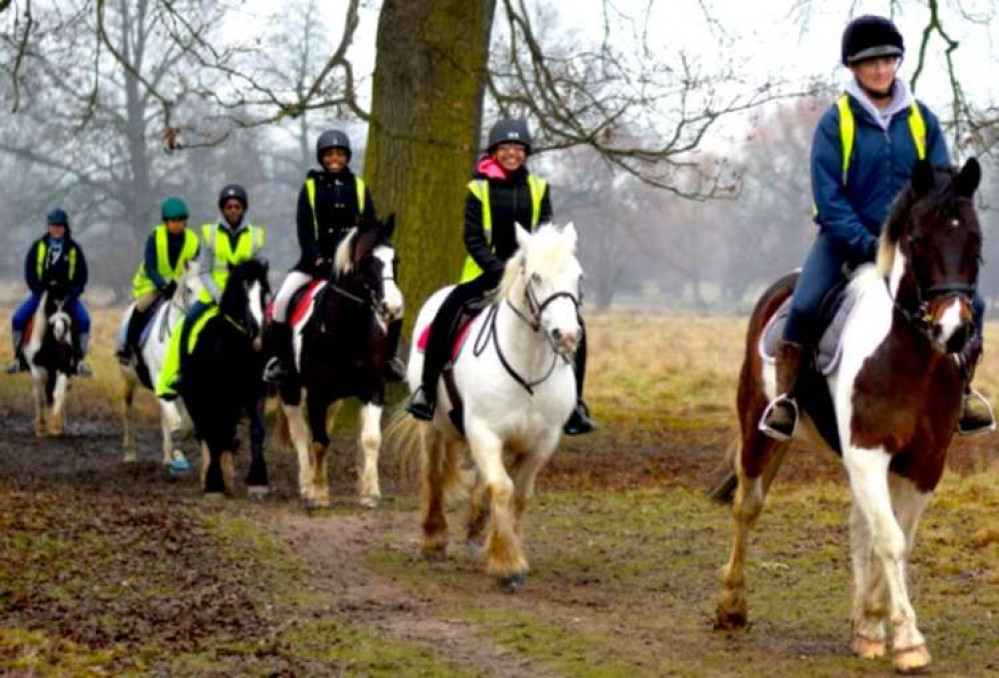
(536, 309)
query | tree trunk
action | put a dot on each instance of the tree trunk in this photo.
(426, 114)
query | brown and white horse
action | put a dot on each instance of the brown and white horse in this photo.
(893, 402)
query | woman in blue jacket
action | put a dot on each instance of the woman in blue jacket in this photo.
(863, 154)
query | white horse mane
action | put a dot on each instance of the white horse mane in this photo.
(546, 252)
(342, 260)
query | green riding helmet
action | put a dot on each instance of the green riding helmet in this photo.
(173, 208)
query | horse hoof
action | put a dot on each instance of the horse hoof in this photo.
(869, 648)
(369, 501)
(912, 660)
(513, 582)
(257, 491)
(215, 496)
(129, 459)
(435, 551)
(731, 618)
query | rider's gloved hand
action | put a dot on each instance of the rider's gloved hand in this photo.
(324, 268)
(168, 290)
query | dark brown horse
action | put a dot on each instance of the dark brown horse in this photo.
(890, 407)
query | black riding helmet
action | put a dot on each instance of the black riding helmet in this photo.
(509, 130)
(231, 191)
(59, 217)
(331, 138)
(869, 36)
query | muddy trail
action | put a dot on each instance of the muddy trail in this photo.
(110, 569)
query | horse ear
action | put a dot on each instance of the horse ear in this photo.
(523, 235)
(389, 227)
(923, 177)
(968, 178)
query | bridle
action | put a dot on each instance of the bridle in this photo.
(487, 334)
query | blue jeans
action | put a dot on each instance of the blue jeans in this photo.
(823, 269)
(75, 308)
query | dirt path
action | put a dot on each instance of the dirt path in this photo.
(334, 548)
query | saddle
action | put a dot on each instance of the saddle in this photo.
(834, 313)
(140, 327)
(301, 304)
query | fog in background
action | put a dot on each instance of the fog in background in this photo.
(641, 247)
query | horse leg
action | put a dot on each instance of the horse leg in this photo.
(870, 608)
(370, 441)
(504, 556)
(213, 482)
(478, 517)
(319, 407)
(58, 404)
(908, 503)
(256, 480)
(433, 478)
(41, 405)
(299, 433)
(753, 462)
(525, 474)
(868, 471)
(128, 434)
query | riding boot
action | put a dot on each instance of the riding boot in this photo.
(781, 416)
(14, 366)
(82, 368)
(422, 403)
(976, 413)
(279, 344)
(580, 421)
(395, 369)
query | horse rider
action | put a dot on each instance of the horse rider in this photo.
(168, 249)
(863, 153)
(331, 202)
(54, 262)
(502, 193)
(228, 242)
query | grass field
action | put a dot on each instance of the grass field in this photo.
(106, 570)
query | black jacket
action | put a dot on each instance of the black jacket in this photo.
(56, 272)
(336, 212)
(510, 202)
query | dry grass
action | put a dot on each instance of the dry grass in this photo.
(645, 372)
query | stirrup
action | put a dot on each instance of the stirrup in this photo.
(970, 433)
(772, 432)
(275, 371)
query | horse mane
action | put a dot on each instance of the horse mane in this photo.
(549, 255)
(941, 199)
(343, 261)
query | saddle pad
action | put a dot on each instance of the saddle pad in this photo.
(830, 346)
(459, 341)
(302, 308)
(146, 319)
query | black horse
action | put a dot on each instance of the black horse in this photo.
(221, 378)
(341, 351)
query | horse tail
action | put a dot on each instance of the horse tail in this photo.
(722, 490)
(418, 442)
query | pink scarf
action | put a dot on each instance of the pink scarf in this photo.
(489, 168)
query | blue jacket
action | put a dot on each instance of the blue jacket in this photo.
(70, 269)
(881, 165)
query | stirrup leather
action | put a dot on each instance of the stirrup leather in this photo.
(774, 433)
(975, 394)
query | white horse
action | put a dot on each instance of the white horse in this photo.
(517, 387)
(173, 416)
(49, 354)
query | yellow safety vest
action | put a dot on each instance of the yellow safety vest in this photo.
(310, 189)
(848, 130)
(42, 254)
(142, 284)
(479, 188)
(249, 242)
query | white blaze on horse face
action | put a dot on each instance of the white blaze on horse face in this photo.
(949, 323)
(256, 297)
(393, 295)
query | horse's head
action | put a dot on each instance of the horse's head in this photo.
(931, 250)
(245, 297)
(541, 282)
(188, 284)
(367, 256)
(60, 324)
